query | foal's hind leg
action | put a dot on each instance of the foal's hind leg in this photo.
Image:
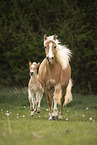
(30, 99)
(38, 100)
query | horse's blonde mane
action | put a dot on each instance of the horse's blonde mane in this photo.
(63, 55)
(62, 52)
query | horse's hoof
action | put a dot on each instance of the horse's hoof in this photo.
(54, 117)
(38, 111)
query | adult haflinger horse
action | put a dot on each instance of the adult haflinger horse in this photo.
(55, 75)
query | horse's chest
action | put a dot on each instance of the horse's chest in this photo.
(53, 79)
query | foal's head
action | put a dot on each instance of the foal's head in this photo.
(50, 47)
(33, 67)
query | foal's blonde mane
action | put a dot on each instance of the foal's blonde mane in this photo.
(62, 52)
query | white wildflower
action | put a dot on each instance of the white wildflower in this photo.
(7, 114)
(1, 109)
(66, 119)
(90, 118)
(83, 115)
(24, 106)
(47, 109)
(86, 108)
(23, 115)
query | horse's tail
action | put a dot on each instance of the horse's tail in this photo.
(68, 96)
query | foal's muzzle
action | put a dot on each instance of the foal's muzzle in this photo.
(31, 73)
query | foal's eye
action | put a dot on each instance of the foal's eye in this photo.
(54, 46)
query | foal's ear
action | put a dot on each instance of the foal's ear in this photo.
(55, 37)
(29, 62)
(45, 37)
(37, 65)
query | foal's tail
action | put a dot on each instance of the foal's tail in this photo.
(68, 96)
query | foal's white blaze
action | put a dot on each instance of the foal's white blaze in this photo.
(32, 67)
(50, 55)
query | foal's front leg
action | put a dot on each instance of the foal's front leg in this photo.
(34, 108)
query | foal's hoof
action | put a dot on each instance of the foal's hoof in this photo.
(32, 113)
(54, 117)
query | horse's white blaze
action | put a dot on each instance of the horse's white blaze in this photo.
(50, 54)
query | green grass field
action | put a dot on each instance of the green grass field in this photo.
(17, 127)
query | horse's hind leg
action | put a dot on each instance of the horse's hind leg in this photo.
(61, 110)
(62, 103)
(50, 104)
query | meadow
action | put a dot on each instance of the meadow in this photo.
(17, 127)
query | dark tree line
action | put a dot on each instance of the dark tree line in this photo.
(23, 24)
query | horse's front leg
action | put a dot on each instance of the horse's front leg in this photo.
(55, 111)
(49, 101)
(57, 99)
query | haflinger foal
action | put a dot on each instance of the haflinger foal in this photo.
(55, 75)
(35, 90)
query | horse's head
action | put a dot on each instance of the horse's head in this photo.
(50, 47)
(33, 67)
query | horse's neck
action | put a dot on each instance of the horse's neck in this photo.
(52, 67)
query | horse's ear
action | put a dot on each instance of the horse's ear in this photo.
(55, 37)
(29, 62)
(45, 37)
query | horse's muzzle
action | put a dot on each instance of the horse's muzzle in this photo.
(50, 60)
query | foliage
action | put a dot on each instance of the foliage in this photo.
(22, 26)
(78, 126)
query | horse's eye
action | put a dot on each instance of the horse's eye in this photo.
(54, 46)
(45, 47)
